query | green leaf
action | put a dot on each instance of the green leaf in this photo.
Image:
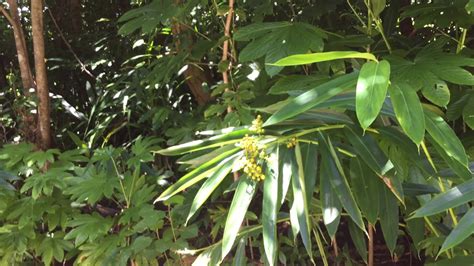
(369, 151)
(292, 38)
(453, 197)
(470, 6)
(312, 98)
(463, 230)
(408, 110)
(240, 203)
(300, 202)
(468, 113)
(304, 59)
(88, 227)
(210, 185)
(377, 7)
(330, 204)
(194, 176)
(297, 83)
(240, 258)
(270, 206)
(455, 166)
(371, 91)
(363, 179)
(438, 94)
(458, 260)
(389, 218)
(445, 137)
(215, 141)
(339, 181)
(309, 154)
(358, 238)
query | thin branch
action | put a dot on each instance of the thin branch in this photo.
(370, 230)
(83, 66)
(7, 16)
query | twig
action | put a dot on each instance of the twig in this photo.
(225, 52)
(7, 16)
(83, 66)
(370, 230)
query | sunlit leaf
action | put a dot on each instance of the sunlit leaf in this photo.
(371, 91)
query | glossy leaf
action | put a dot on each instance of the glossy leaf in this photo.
(270, 206)
(300, 202)
(371, 91)
(194, 176)
(408, 110)
(339, 181)
(445, 137)
(369, 151)
(240, 203)
(453, 197)
(463, 230)
(358, 238)
(330, 204)
(389, 218)
(208, 143)
(366, 186)
(312, 98)
(304, 59)
(210, 185)
(438, 93)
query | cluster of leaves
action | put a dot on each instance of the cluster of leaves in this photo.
(371, 147)
(86, 207)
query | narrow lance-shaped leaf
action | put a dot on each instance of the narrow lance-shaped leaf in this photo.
(339, 181)
(408, 111)
(210, 185)
(454, 197)
(368, 150)
(313, 97)
(300, 202)
(304, 59)
(463, 230)
(330, 204)
(371, 91)
(309, 153)
(445, 137)
(358, 238)
(366, 186)
(389, 218)
(271, 204)
(455, 166)
(194, 176)
(285, 170)
(197, 145)
(240, 259)
(240, 203)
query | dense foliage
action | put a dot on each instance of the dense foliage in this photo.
(213, 132)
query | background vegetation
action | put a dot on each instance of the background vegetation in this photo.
(173, 132)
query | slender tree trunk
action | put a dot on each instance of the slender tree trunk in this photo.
(44, 127)
(194, 75)
(22, 52)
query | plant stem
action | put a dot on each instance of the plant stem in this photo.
(461, 41)
(370, 230)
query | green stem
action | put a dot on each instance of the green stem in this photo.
(461, 41)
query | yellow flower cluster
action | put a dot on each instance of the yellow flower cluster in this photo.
(257, 125)
(291, 143)
(251, 151)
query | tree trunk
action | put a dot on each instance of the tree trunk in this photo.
(22, 52)
(44, 127)
(194, 76)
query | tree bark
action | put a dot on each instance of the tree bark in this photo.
(22, 52)
(194, 76)
(44, 127)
